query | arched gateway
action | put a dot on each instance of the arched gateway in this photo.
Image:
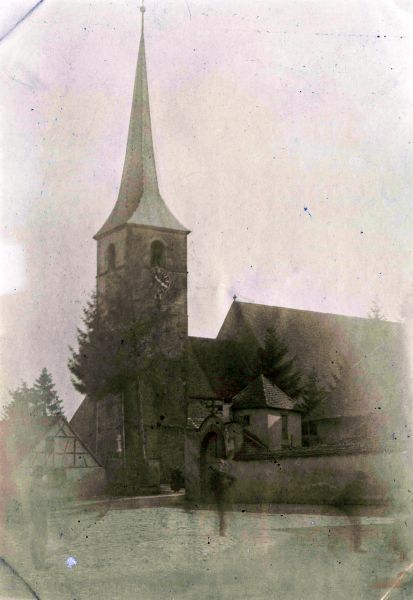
(212, 448)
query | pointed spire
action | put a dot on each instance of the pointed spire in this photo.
(139, 201)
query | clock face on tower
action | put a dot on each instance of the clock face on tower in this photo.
(161, 280)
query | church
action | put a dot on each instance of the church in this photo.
(200, 409)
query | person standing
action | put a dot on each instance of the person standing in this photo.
(350, 496)
(38, 516)
(220, 481)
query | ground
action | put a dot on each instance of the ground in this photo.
(176, 553)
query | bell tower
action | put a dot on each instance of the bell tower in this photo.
(143, 242)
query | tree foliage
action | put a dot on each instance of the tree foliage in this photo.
(19, 406)
(39, 400)
(273, 362)
(46, 401)
(313, 392)
(114, 344)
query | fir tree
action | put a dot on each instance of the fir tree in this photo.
(40, 400)
(273, 362)
(20, 405)
(46, 401)
(313, 393)
(116, 351)
(114, 345)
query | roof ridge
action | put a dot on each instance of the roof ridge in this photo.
(242, 304)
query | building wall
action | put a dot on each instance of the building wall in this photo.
(303, 477)
(109, 425)
(118, 238)
(294, 429)
(99, 423)
(157, 412)
(342, 428)
(84, 422)
(319, 479)
(267, 426)
(72, 469)
(231, 436)
(166, 383)
(308, 480)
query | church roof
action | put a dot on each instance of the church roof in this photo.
(217, 368)
(199, 385)
(362, 362)
(261, 393)
(139, 201)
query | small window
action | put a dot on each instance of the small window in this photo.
(245, 419)
(157, 254)
(284, 427)
(305, 429)
(49, 445)
(119, 445)
(111, 256)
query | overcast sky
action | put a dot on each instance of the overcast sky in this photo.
(284, 141)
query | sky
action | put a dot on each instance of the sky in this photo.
(283, 134)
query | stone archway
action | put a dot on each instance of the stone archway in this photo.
(212, 448)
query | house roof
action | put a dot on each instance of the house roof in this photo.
(361, 361)
(19, 441)
(261, 393)
(199, 386)
(251, 444)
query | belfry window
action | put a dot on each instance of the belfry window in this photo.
(157, 254)
(111, 256)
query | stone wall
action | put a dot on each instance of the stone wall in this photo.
(358, 473)
(335, 479)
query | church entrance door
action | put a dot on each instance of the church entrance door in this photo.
(212, 448)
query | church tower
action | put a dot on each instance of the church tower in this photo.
(145, 244)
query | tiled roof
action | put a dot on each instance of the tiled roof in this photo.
(195, 422)
(217, 368)
(349, 446)
(153, 212)
(251, 444)
(362, 361)
(198, 383)
(261, 393)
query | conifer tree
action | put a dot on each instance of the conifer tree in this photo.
(20, 405)
(40, 400)
(273, 362)
(114, 344)
(313, 393)
(116, 350)
(46, 401)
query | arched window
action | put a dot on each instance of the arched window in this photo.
(157, 254)
(111, 256)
